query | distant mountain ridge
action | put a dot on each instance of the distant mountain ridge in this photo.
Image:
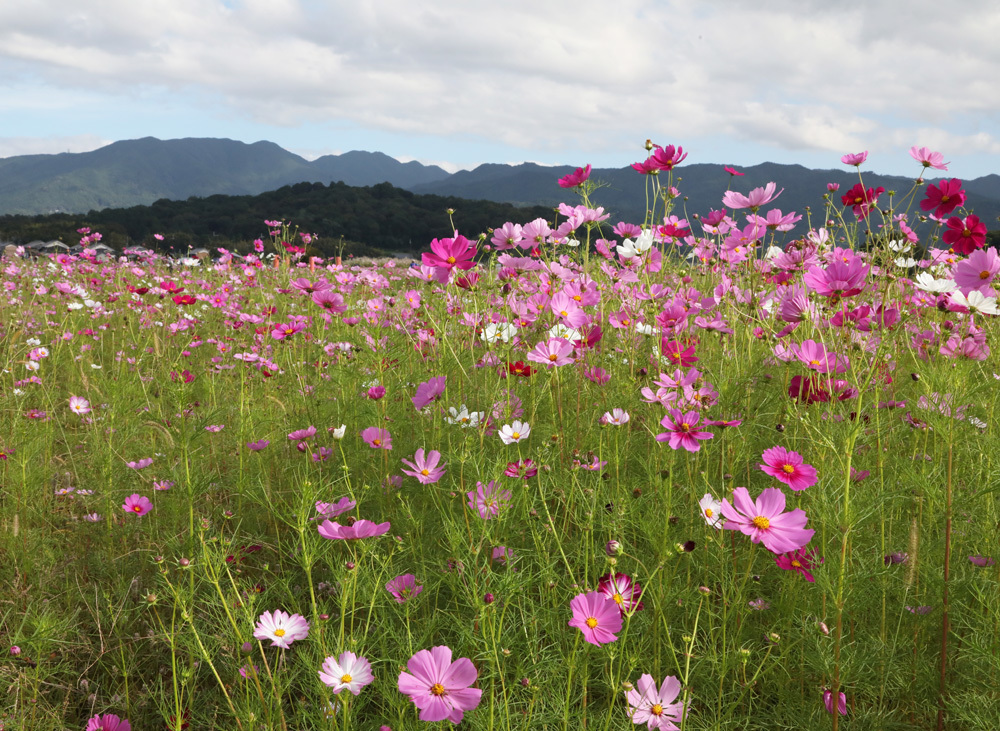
(140, 172)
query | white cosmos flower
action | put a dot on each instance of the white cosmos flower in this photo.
(514, 433)
(977, 301)
(347, 672)
(928, 283)
(566, 333)
(498, 332)
(643, 243)
(711, 510)
(339, 432)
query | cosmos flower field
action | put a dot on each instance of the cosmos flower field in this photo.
(722, 469)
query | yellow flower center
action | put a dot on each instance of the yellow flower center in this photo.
(796, 563)
(656, 710)
(553, 357)
(450, 260)
(684, 427)
(137, 508)
(591, 622)
(814, 362)
(578, 298)
(618, 598)
(564, 313)
(345, 678)
(516, 435)
(787, 469)
(984, 275)
(709, 513)
(377, 442)
(279, 633)
(425, 472)
(944, 199)
(761, 522)
(437, 689)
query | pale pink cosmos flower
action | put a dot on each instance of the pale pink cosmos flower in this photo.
(138, 504)
(758, 197)
(928, 159)
(403, 588)
(788, 467)
(425, 468)
(140, 464)
(597, 616)
(361, 529)
(765, 522)
(377, 438)
(281, 628)
(300, 435)
(656, 707)
(555, 352)
(80, 405)
(682, 430)
(347, 672)
(488, 500)
(977, 272)
(855, 159)
(616, 417)
(440, 687)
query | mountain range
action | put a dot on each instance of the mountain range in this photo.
(140, 172)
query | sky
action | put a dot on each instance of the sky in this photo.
(459, 83)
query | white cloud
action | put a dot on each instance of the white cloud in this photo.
(13, 146)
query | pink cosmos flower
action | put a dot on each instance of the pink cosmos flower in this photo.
(440, 687)
(555, 352)
(944, 197)
(448, 254)
(667, 157)
(841, 702)
(733, 171)
(597, 616)
(108, 722)
(377, 438)
(682, 431)
(347, 672)
(332, 510)
(138, 504)
(758, 197)
(361, 529)
(258, 445)
(281, 628)
(656, 708)
(403, 588)
(429, 391)
(622, 590)
(927, 158)
(855, 159)
(329, 300)
(300, 435)
(578, 177)
(425, 469)
(839, 279)
(814, 356)
(981, 561)
(140, 464)
(787, 467)
(799, 560)
(522, 469)
(488, 500)
(80, 405)
(765, 522)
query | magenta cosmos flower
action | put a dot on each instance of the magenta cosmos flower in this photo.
(361, 529)
(787, 467)
(377, 438)
(578, 177)
(440, 687)
(655, 707)
(682, 430)
(765, 520)
(965, 235)
(799, 560)
(425, 468)
(841, 702)
(622, 590)
(403, 588)
(944, 197)
(138, 504)
(108, 722)
(347, 672)
(597, 616)
(281, 628)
